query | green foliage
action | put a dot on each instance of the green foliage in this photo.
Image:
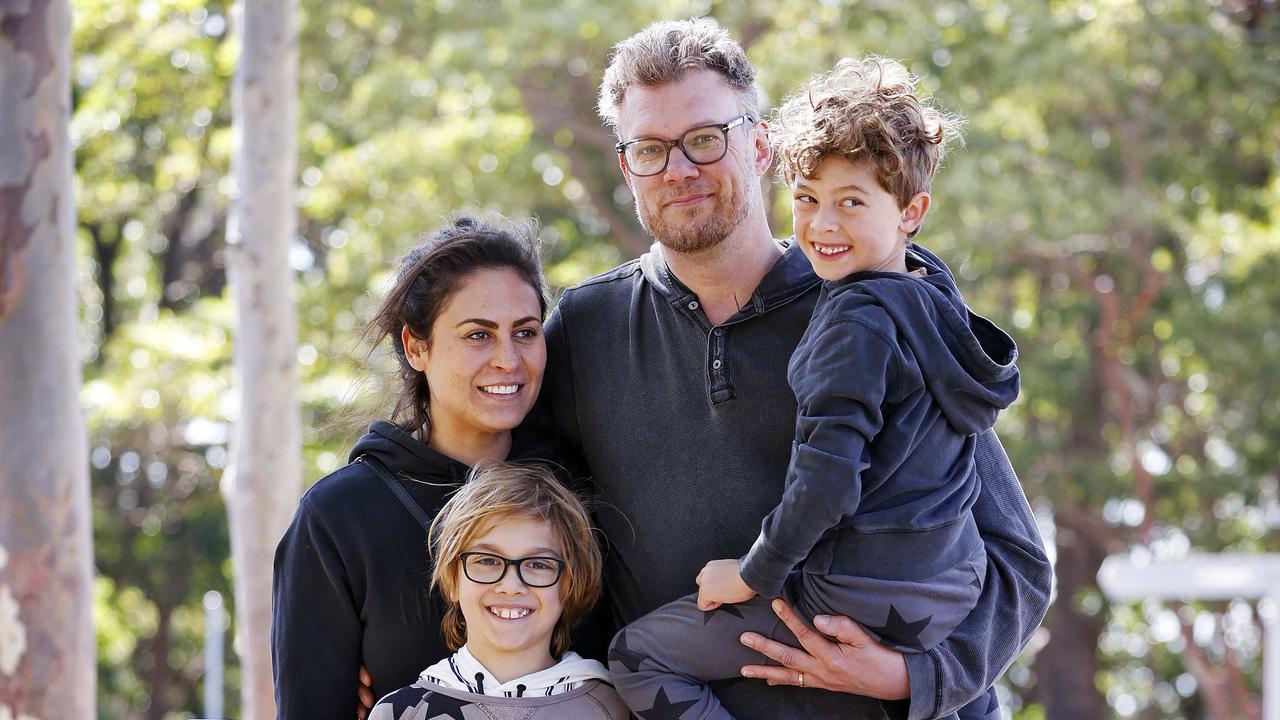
(1115, 206)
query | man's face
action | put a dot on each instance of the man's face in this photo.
(689, 207)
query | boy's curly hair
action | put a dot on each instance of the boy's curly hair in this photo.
(866, 109)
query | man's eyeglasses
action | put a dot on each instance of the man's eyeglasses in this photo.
(702, 145)
(487, 569)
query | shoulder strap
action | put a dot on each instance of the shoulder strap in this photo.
(397, 489)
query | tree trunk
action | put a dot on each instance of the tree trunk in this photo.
(47, 649)
(1067, 666)
(160, 674)
(263, 483)
(106, 253)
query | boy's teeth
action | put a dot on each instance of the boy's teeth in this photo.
(500, 389)
(509, 613)
(831, 250)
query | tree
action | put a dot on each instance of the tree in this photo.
(263, 484)
(46, 626)
(1116, 207)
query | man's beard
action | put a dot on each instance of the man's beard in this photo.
(702, 232)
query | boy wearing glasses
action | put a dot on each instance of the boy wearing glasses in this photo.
(894, 378)
(518, 567)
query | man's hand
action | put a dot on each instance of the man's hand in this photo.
(855, 663)
(720, 583)
(365, 694)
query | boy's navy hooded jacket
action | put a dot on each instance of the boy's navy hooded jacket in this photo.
(893, 379)
(352, 578)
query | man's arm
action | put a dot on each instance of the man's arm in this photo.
(1013, 602)
(1014, 597)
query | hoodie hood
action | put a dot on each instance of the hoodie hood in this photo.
(966, 360)
(405, 456)
(462, 671)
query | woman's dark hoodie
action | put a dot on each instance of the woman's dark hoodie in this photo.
(893, 379)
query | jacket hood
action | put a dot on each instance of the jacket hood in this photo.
(966, 360)
(404, 455)
(462, 671)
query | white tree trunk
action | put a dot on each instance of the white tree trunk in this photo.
(47, 649)
(265, 478)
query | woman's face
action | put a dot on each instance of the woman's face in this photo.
(484, 360)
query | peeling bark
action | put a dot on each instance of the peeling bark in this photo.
(47, 651)
(264, 482)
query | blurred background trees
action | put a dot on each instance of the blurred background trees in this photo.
(1116, 207)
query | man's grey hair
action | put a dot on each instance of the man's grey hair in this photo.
(663, 52)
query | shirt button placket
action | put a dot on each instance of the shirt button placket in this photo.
(715, 348)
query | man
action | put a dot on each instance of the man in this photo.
(668, 374)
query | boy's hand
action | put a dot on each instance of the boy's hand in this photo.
(720, 583)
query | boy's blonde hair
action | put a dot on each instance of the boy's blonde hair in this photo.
(497, 491)
(866, 109)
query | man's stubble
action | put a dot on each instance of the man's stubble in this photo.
(701, 233)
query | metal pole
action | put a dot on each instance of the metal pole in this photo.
(1210, 577)
(1270, 615)
(214, 627)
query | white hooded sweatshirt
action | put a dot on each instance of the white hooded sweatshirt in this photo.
(462, 671)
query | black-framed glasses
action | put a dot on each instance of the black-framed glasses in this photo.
(702, 145)
(487, 569)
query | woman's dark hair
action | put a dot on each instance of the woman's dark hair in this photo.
(430, 274)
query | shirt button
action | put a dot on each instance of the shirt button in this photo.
(693, 305)
(716, 365)
(718, 331)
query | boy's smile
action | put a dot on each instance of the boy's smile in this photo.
(846, 222)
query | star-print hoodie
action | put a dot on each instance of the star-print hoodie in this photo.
(460, 687)
(893, 378)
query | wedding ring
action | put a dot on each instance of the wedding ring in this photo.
(800, 681)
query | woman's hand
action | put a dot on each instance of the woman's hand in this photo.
(720, 583)
(855, 663)
(364, 694)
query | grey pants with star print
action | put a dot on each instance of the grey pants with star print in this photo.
(662, 663)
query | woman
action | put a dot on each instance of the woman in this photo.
(352, 573)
